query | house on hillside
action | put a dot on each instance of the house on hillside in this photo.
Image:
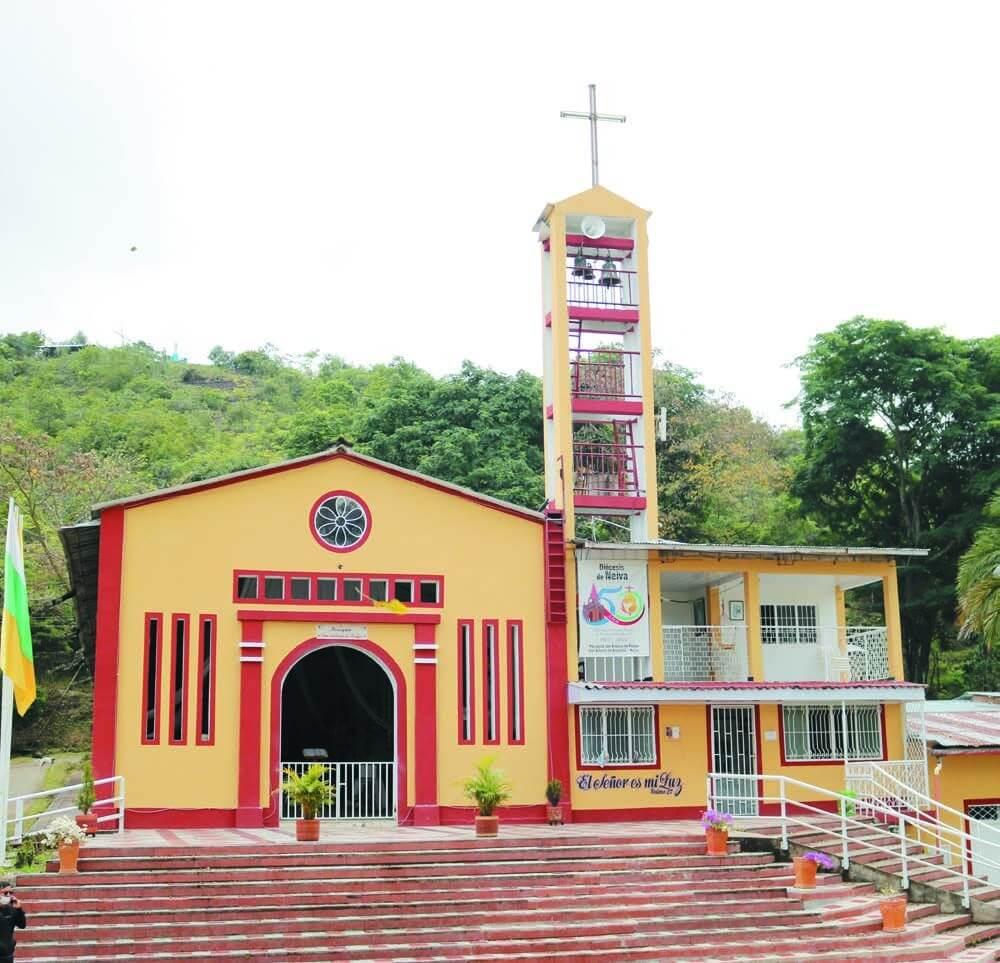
(397, 629)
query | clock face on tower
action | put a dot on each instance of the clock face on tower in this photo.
(340, 521)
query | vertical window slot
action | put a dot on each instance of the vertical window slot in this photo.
(491, 684)
(206, 681)
(152, 658)
(515, 682)
(178, 681)
(466, 691)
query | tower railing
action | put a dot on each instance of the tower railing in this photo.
(596, 292)
(603, 374)
(605, 469)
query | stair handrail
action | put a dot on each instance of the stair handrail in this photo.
(899, 816)
(19, 817)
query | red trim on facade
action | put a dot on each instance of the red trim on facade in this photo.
(373, 618)
(270, 816)
(199, 738)
(469, 624)
(466, 815)
(549, 412)
(621, 503)
(425, 806)
(181, 707)
(180, 818)
(332, 548)
(556, 694)
(158, 684)
(366, 578)
(372, 463)
(638, 767)
(826, 762)
(249, 811)
(637, 814)
(487, 686)
(591, 406)
(109, 583)
(623, 315)
(605, 242)
(515, 682)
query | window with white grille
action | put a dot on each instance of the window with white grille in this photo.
(816, 733)
(617, 735)
(784, 624)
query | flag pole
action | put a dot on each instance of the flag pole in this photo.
(6, 728)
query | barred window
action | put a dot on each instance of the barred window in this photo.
(785, 624)
(617, 735)
(816, 733)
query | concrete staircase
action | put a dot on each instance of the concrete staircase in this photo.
(560, 897)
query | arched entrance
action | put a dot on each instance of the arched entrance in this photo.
(338, 709)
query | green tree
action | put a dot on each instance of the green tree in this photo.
(979, 581)
(901, 448)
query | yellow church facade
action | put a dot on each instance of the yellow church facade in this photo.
(397, 629)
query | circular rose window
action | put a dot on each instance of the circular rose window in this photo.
(340, 521)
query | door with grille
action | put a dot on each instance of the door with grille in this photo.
(984, 828)
(734, 753)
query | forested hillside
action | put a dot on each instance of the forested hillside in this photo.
(899, 446)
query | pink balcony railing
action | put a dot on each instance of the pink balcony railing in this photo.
(598, 290)
(604, 375)
(605, 469)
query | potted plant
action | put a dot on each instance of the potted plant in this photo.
(806, 866)
(716, 825)
(893, 908)
(64, 834)
(85, 800)
(553, 793)
(309, 791)
(488, 790)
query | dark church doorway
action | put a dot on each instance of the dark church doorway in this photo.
(338, 709)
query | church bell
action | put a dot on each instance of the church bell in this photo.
(609, 274)
(581, 267)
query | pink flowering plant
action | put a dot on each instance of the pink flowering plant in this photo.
(821, 860)
(716, 819)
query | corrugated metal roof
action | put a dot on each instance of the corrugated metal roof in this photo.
(693, 548)
(965, 729)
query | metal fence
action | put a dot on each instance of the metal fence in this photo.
(363, 790)
(704, 653)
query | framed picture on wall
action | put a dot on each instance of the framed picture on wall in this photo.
(736, 610)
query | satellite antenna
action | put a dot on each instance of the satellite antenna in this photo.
(593, 226)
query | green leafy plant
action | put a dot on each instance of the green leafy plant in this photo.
(889, 890)
(308, 790)
(86, 796)
(553, 792)
(847, 803)
(27, 853)
(487, 788)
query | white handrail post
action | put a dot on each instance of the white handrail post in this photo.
(902, 851)
(845, 856)
(784, 816)
(708, 791)
(121, 804)
(18, 820)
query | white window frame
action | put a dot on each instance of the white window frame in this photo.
(515, 668)
(360, 583)
(809, 737)
(396, 582)
(292, 580)
(271, 579)
(326, 581)
(594, 745)
(437, 591)
(384, 582)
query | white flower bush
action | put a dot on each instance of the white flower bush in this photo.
(62, 831)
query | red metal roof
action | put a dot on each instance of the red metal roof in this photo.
(965, 730)
(884, 684)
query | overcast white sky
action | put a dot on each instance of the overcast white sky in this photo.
(362, 178)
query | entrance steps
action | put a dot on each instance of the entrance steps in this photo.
(559, 898)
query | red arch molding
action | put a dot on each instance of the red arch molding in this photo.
(277, 680)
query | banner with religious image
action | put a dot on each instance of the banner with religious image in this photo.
(613, 608)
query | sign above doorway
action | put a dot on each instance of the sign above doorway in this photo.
(341, 630)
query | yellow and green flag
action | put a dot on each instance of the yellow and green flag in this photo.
(16, 659)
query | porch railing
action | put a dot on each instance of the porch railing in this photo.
(364, 790)
(615, 668)
(704, 653)
(830, 653)
(613, 289)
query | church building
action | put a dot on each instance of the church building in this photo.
(398, 629)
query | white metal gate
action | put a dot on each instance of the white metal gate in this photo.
(984, 827)
(734, 752)
(365, 790)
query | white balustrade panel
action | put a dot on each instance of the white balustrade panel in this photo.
(364, 790)
(703, 653)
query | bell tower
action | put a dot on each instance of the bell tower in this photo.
(600, 458)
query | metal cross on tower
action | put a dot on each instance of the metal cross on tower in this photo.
(593, 116)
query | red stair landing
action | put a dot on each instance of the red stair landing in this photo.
(561, 897)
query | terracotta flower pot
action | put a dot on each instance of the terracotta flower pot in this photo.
(716, 841)
(88, 823)
(554, 815)
(69, 853)
(893, 912)
(487, 825)
(805, 873)
(307, 830)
